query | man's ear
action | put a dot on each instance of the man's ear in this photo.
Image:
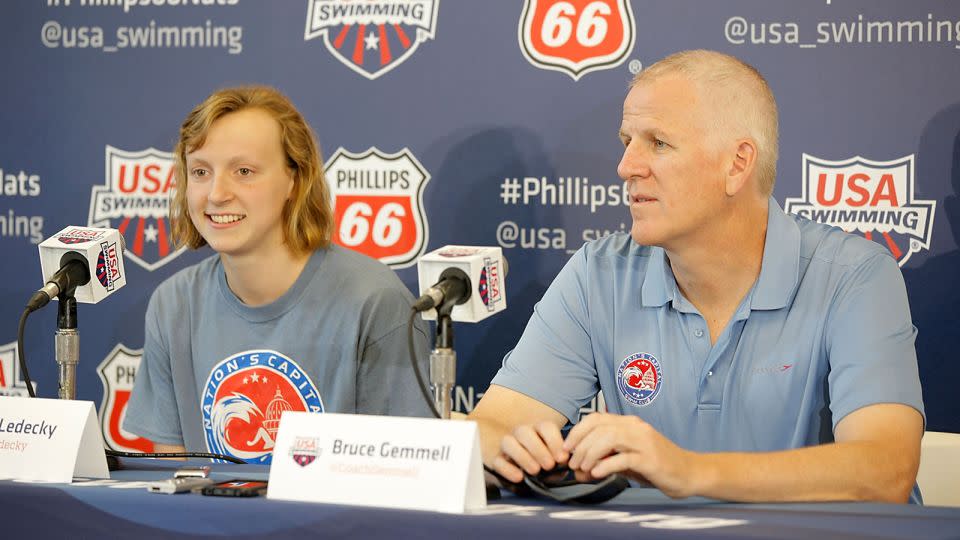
(742, 167)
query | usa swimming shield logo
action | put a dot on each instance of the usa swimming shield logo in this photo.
(135, 199)
(372, 37)
(639, 378)
(378, 204)
(108, 265)
(874, 198)
(11, 381)
(489, 283)
(244, 397)
(305, 450)
(117, 372)
(576, 36)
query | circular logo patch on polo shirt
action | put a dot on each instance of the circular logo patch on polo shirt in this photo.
(639, 378)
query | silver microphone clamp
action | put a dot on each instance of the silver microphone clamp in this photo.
(443, 377)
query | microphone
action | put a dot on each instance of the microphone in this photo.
(453, 287)
(71, 258)
(469, 279)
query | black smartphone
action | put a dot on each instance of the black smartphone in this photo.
(236, 488)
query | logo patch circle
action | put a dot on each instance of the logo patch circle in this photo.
(243, 398)
(639, 378)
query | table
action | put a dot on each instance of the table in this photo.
(121, 507)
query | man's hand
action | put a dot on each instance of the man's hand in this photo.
(603, 444)
(518, 433)
(530, 449)
(874, 458)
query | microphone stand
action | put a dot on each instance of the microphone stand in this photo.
(443, 363)
(67, 343)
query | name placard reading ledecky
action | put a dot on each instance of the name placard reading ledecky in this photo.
(51, 440)
(412, 463)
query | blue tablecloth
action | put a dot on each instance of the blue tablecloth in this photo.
(122, 507)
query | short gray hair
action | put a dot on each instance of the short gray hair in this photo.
(744, 103)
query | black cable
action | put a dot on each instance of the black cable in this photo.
(223, 457)
(109, 452)
(423, 386)
(23, 363)
(429, 399)
(416, 367)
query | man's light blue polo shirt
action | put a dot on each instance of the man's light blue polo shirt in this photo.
(824, 331)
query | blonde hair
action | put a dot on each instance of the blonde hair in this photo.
(307, 216)
(744, 103)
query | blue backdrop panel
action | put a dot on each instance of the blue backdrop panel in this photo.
(509, 110)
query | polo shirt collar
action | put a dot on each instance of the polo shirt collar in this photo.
(659, 285)
(779, 268)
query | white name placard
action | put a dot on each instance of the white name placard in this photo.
(392, 462)
(51, 440)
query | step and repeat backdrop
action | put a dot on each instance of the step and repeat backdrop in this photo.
(496, 124)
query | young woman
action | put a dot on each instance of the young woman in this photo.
(279, 318)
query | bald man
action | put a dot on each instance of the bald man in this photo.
(743, 353)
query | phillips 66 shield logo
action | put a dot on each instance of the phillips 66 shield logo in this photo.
(136, 200)
(117, 373)
(372, 37)
(576, 36)
(874, 198)
(378, 204)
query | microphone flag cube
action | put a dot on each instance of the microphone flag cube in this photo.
(486, 268)
(102, 249)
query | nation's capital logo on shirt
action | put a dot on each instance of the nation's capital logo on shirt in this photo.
(873, 198)
(372, 37)
(378, 204)
(576, 36)
(135, 199)
(117, 373)
(244, 397)
(639, 378)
